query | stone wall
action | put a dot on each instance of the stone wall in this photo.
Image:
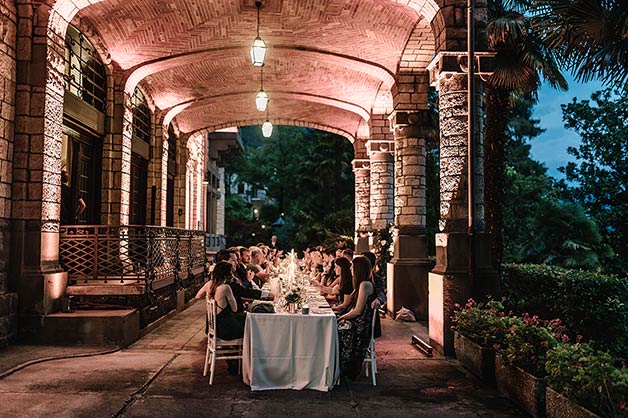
(8, 300)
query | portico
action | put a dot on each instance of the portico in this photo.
(173, 74)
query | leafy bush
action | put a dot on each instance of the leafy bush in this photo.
(383, 246)
(526, 344)
(589, 378)
(591, 305)
(484, 324)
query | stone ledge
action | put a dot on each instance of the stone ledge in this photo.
(94, 327)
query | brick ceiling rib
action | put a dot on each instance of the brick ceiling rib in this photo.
(220, 114)
(204, 101)
(232, 74)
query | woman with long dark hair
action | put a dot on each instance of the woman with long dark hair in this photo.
(354, 327)
(345, 289)
(229, 322)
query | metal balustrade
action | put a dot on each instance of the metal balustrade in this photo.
(215, 243)
(129, 254)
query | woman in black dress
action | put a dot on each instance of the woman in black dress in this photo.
(229, 322)
(354, 327)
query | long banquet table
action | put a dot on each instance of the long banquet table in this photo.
(292, 351)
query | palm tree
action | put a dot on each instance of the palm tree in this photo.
(592, 36)
(522, 61)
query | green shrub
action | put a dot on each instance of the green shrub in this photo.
(484, 324)
(589, 378)
(526, 344)
(591, 305)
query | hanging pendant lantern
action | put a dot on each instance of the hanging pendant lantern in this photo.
(261, 100)
(267, 129)
(258, 49)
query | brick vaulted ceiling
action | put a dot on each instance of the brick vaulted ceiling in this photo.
(326, 63)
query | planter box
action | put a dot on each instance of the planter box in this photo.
(527, 391)
(477, 359)
(559, 406)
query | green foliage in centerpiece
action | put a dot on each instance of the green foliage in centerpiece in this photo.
(293, 296)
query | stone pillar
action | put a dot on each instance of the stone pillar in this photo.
(220, 207)
(36, 189)
(116, 159)
(409, 268)
(450, 281)
(180, 182)
(382, 189)
(362, 173)
(8, 297)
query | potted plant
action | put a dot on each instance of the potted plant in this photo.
(582, 379)
(520, 366)
(478, 330)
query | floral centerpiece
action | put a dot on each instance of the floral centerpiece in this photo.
(293, 298)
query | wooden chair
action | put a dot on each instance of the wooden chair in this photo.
(218, 349)
(369, 360)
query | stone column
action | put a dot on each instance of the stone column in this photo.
(8, 298)
(408, 270)
(362, 173)
(382, 189)
(220, 207)
(36, 187)
(450, 281)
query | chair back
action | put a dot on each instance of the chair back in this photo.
(211, 321)
(373, 320)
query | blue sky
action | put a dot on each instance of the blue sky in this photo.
(551, 146)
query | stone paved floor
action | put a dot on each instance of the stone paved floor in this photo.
(161, 376)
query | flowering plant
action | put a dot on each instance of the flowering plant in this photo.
(527, 342)
(589, 378)
(483, 323)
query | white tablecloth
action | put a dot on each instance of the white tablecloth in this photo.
(290, 351)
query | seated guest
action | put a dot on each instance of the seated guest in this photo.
(348, 254)
(317, 262)
(229, 320)
(354, 327)
(258, 259)
(346, 288)
(380, 290)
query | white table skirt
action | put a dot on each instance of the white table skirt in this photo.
(290, 351)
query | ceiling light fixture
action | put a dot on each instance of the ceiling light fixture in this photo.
(267, 127)
(261, 100)
(258, 49)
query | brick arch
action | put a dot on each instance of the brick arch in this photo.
(420, 48)
(138, 73)
(172, 112)
(276, 122)
(228, 112)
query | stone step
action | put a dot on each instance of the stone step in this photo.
(91, 327)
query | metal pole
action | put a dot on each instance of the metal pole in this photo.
(471, 136)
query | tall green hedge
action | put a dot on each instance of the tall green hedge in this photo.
(592, 305)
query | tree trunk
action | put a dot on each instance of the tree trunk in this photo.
(496, 106)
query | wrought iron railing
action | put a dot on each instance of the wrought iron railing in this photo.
(129, 254)
(214, 242)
